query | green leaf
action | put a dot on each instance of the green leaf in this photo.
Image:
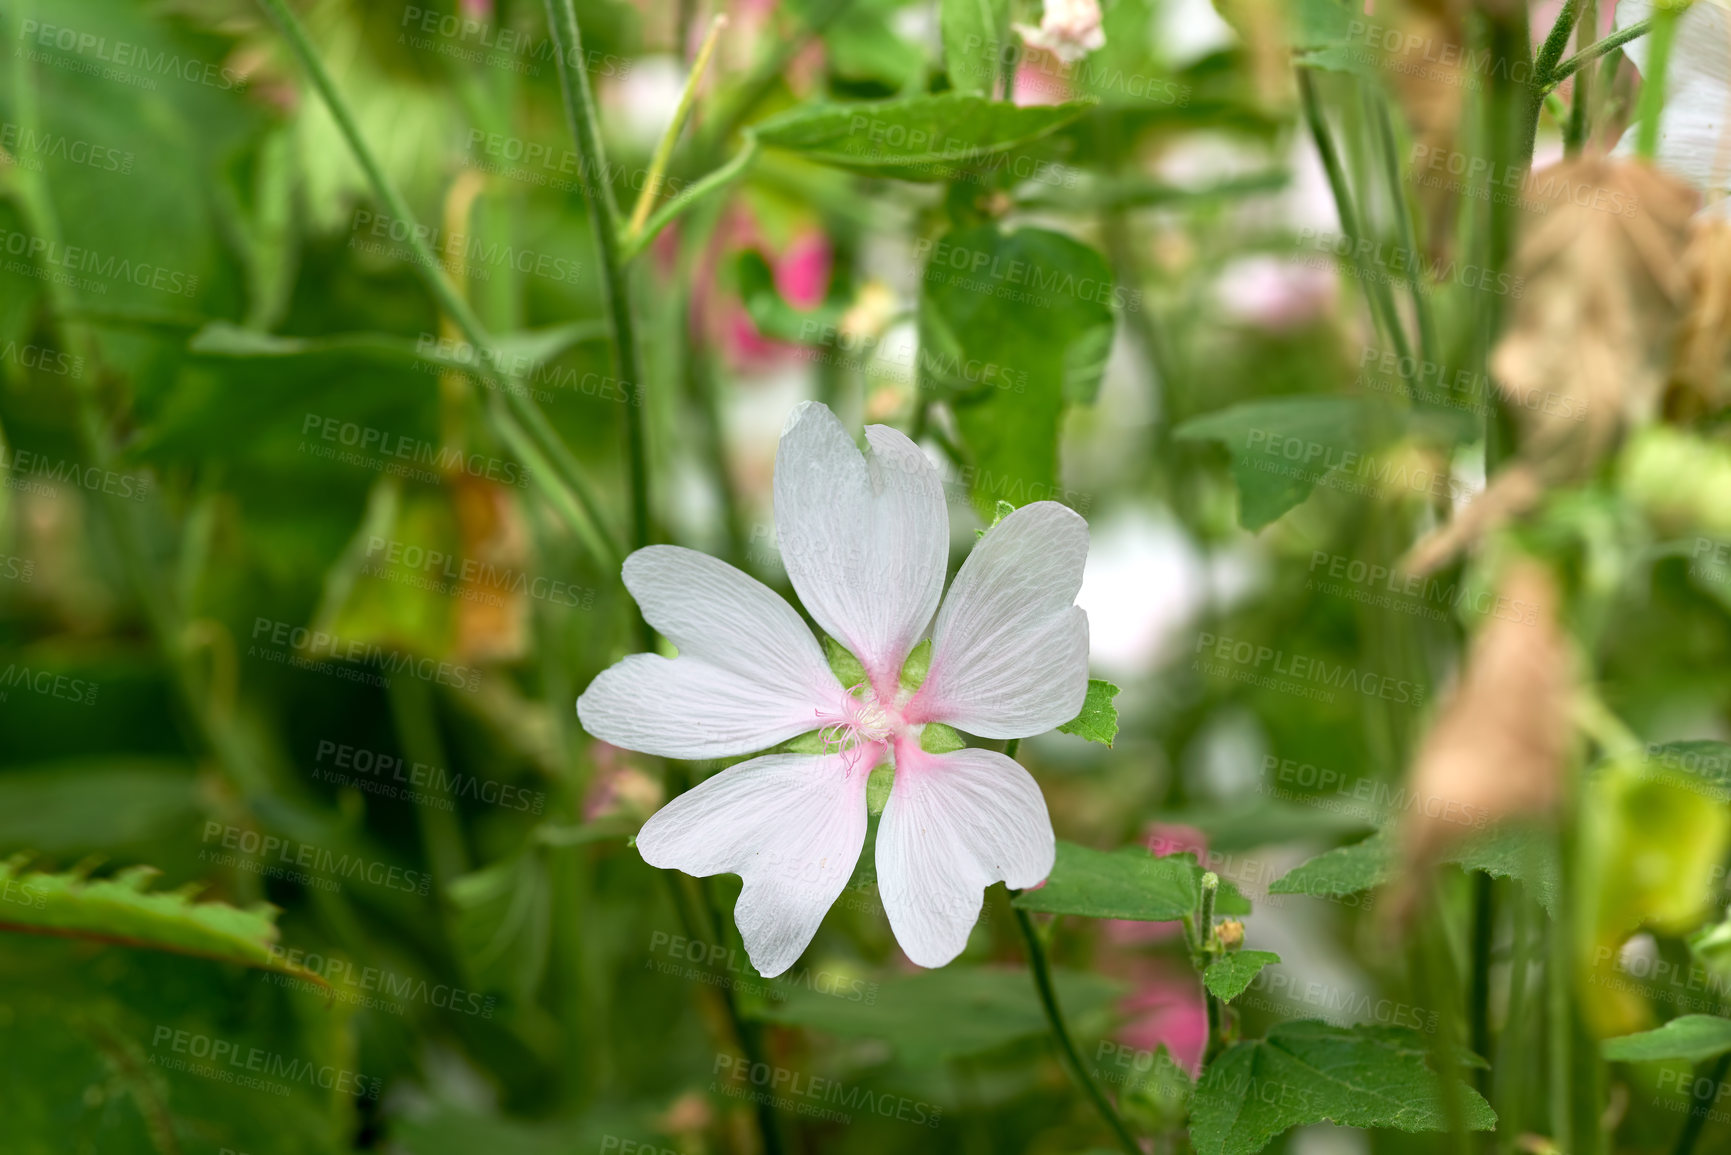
(121, 910)
(1125, 883)
(1283, 446)
(1689, 1037)
(1013, 327)
(47, 807)
(937, 738)
(1228, 975)
(503, 922)
(917, 138)
(940, 1014)
(1506, 852)
(975, 33)
(1098, 721)
(1306, 1072)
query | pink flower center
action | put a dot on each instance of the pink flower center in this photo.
(866, 721)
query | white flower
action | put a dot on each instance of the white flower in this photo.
(864, 539)
(1693, 141)
(1069, 29)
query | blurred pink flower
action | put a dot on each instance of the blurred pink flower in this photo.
(802, 272)
(1166, 1010)
(1274, 294)
(1070, 29)
(1040, 79)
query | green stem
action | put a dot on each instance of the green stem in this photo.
(664, 149)
(1375, 289)
(1652, 102)
(1575, 134)
(1479, 993)
(1610, 43)
(604, 224)
(1061, 1033)
(1427, 340)
(426, 264)
(634, 244)
(1696, 1121)
(1551, 50)
(418, 727)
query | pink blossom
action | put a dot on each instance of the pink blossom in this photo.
(1167, 1010)
(1069, 29)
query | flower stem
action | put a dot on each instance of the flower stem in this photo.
(1652, 101)
(664, 150)
(428, 266)
(1587, 55)
(604, 223)
(1038, 964)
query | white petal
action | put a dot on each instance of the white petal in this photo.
(1693, 139)
(749, 673)
(864, 537)
(955, 824)
(1010, 647)
(790, 825)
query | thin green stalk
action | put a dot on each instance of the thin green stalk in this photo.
(418, 726)
(1041, 969)
(1427, 339)
(1580, 107)
(681, 114)
(1700, 1107)
(640, 240)
(604, 224)
(1610, 43)
(1479, 992)
(426, 264)
(1551, 50)
(1375, 289)
(1652, 102)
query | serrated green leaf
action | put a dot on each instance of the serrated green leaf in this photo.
(1228, 975)
(1125, 883)
(1098, 721)
(1307, 1071)
(918, 138)
(122, 910)
(940, 1014)
(1282, 447)
(1689, 1037)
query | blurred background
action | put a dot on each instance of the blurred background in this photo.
(296, 599)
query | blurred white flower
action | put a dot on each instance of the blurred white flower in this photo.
(1693, 138)
(1145, 577)
(1069, 29)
